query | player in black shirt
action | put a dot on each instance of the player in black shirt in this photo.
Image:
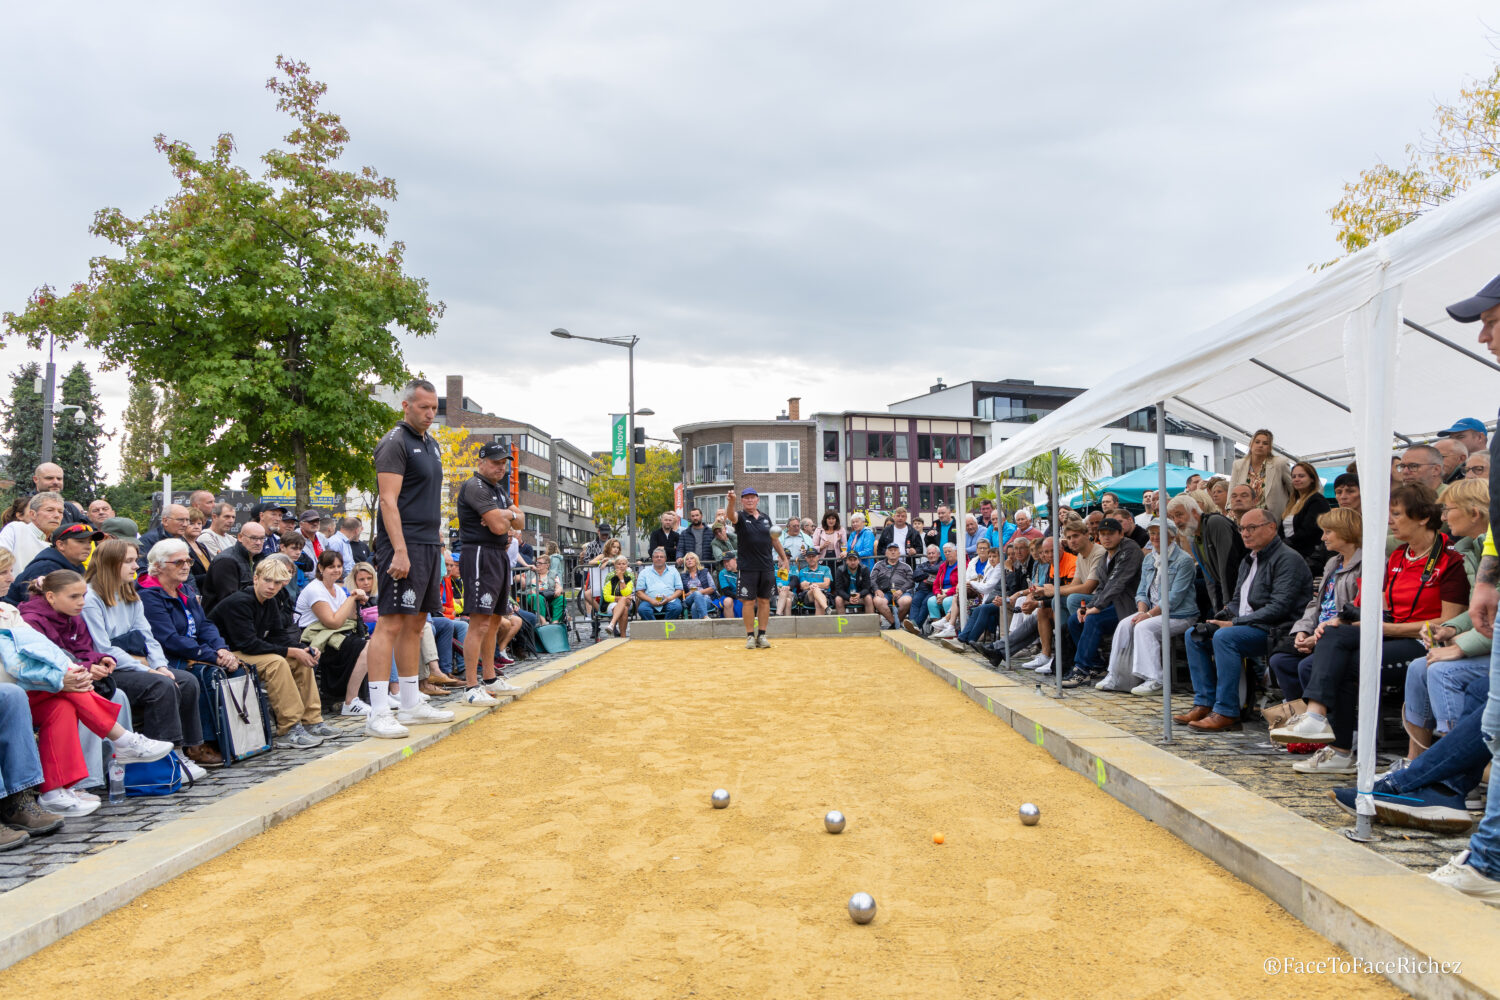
(408, 558)
(752, 529)
(486, 518)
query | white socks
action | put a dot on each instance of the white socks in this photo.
(409, 697)
(380, 697)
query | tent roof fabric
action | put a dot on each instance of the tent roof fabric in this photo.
(1440, 258)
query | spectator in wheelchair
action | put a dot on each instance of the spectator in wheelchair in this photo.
(698, 590)
(1425, 585)
(658, 588)
(619, 594)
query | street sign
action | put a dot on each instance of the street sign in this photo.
(617, 438)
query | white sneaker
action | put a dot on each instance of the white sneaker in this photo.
(1457, 874)
(501, 686)
(355, 707)
(423, 715)
(1399, 764)
(1039, 660)
(133, 748)
(478, 696)
(1326, 761)
(197, 773)
(63, 802)
(84, 795)
(384, 726)
(1108, 685)
(1303, 728)
(750, 642)
(1147, 688)
(761, 642)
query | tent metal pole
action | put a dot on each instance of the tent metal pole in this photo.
(1164, 548)
(1232, 425)
(1057, 600)
(1321, 395)
(1004, 617)
(960, 538)
(1448, 343)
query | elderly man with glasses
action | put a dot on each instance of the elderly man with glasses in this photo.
(1273, 586)
(174, 522)
(1421, 464)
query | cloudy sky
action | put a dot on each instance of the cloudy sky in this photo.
(834, 200)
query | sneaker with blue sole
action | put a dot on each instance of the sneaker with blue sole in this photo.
(1432, 808)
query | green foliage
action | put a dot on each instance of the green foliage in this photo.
(270, 304)
(76, 447)
(1073, 472)
(132, 497)
(654, 490)
(141, 449)
(1463, 149)
(23, 424)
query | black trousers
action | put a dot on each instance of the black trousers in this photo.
(1335, 676)
(164, 708)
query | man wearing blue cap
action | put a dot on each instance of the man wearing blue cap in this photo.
(1469, 432)
(1476, 871)
(752, 530)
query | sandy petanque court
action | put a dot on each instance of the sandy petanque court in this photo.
(565, 847)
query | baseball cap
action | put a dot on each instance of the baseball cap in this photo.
(1110, 524)
(1464, 424)
(266, 508)
(1469, 309)
(749, 491)
(494, 450)
(1156, 523)
(121, 527)
(78, 532)
(311, 515)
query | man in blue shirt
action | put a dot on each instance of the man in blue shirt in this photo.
(658, 587)
(816, 580)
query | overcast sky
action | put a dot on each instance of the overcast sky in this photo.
(840, 201)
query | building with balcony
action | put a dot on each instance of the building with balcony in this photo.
(874, 462)
(774, 456)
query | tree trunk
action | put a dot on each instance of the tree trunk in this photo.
(299, 472)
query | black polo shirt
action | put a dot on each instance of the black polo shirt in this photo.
(752, 534)
(416, 459)
(476, 498)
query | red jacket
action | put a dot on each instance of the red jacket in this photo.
(945, 580)
(70, 635)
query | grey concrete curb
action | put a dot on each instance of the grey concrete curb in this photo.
(779, 627)
(1374, 908)
(53, 906)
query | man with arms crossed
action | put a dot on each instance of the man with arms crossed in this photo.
(408, 558)
(485, 519)
(757, 574)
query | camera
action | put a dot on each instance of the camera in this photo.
(1204, 631)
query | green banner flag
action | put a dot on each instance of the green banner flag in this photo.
(617, 436)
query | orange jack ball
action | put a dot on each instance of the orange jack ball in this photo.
(937, 838)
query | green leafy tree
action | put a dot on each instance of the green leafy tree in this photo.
(271, 303)
(1074, 472)
(140, 451)
(76, 446)
(1462, 149)
(23, 424)
(654, 490)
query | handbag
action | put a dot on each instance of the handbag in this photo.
(156, 777)
(245, 721)
(553, 638)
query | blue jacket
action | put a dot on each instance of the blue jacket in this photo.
(45, 562)
(863, 543)
(1183, 569)
(31, 659)
(168, 617)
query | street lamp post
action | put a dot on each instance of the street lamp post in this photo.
(47, 403)
(629, 344)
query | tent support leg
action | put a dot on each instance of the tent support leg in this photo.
(1055, 508)
(1163, 582)
(1003, 618)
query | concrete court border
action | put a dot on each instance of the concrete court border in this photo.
(1372, 907)
(47, 909)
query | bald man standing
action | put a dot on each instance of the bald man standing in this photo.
(48, 478)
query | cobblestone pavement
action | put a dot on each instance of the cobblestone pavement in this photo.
(114, 824)
(1248, 758)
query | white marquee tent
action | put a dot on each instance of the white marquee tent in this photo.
(1358, 354)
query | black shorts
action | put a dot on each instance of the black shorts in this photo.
(757, 585)
(419, 593)
(485, 573)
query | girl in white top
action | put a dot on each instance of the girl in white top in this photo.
(324, 601)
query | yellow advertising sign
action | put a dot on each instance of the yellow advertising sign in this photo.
(282, 488)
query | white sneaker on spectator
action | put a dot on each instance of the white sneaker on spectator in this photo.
(84, 795)
(505, 659)
(194, 771)
(501, 686)
(423, 715)
(355, 707)
(1108, 685)
(1146, 688)
(1040, 661)
(1459, 874)
(384, 726)
(1326, 761)
(478, 696)
(1303, 728)
(133, 748)
(63, 802)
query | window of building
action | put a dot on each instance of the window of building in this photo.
(1141, 420)
(537, 524)
(931, 496)
(781, 506)
(571, 504)
(573, 538)
(773, 456)
(1126, 458)
(569, 469)
(710, 505)
(539, 485)
(947, 447)
(831, 446)
(713, 463)
(539, 447)
(878, 444)
(830, 496)
(1179, 456)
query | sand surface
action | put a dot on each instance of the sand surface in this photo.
(565, 847)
